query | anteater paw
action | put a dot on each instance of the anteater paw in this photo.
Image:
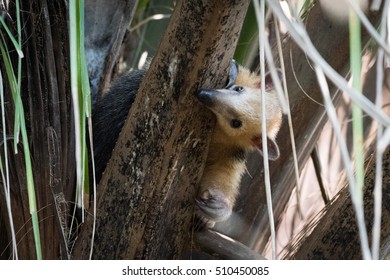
(200, 222)
(213, 206)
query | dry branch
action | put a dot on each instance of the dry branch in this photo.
(223, 247)
(335, 234)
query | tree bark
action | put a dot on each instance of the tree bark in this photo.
(335, 235)
(146, 195)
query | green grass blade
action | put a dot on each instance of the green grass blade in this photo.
(357, 128)
(20, 126)
(357, 115)
(77, 107)
(5, 173)
(16, 44)
(80, 95)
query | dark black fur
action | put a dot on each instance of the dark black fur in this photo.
(109, 114)
(239, 154)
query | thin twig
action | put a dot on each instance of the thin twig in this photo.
(260, 14)
(376, 228)
(345, 157)
(299, 34)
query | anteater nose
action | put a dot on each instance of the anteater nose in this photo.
(206, 96)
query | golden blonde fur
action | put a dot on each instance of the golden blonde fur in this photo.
(240, 106)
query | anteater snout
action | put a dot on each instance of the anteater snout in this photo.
(207, 97)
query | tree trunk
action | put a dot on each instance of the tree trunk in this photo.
(146, 195)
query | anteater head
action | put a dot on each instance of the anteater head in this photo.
(238, 109)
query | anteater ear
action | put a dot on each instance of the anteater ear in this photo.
(269, 84)
(273, 149)
(233, 72)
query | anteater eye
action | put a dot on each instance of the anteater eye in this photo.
(238, 88)
(235, 123)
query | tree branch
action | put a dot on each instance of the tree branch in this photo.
(146, 195)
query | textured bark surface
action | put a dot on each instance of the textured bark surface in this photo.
(335, 235)
(146, 196)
